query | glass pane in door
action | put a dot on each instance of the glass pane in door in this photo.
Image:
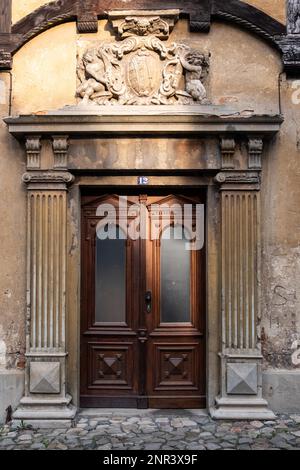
(110, 282)
(175, 276)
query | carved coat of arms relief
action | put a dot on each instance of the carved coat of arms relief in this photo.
(141, 69)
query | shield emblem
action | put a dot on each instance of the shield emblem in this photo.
(144, 74)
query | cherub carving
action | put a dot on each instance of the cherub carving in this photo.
(294, 16)
(144, 26)
(193, 63)
(91, 73)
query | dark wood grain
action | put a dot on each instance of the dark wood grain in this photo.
(146, 350)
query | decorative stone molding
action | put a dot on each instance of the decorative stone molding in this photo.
(290, 47)
(227, 152)
(48, 180)
(290, 44)
(239, 177)
(60, 146)
(255, 149)
(87, 24)
(33, 149)
(241, 359)
(242, 378)
(158, 23)
(5, 60)
(46, 298)
(153, 73)
(293, 17)
(44, 377)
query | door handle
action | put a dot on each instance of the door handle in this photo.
(148, 301)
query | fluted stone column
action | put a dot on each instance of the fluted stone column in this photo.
(46, 396)
(241, 358)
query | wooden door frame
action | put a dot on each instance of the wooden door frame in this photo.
(175, 183)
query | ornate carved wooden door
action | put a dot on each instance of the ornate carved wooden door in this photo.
(143, 303)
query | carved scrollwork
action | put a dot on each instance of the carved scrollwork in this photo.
(237, 178)
(293, 16)
(48, 178)
(141, 70)
(143, 27)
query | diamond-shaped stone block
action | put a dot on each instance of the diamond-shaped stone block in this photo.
(241, 379)
(45, 377)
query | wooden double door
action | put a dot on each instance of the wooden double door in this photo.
(143, 302)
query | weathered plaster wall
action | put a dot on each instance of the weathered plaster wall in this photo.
(44, 73)
(281, 239)
(275, 8)
(12, 239)
(21, 8)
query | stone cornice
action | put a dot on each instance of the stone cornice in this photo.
(192, 120)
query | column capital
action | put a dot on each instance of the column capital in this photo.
(238, 180)
(44, 180)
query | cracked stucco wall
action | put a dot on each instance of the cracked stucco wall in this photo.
(12, 241)
(281, 241)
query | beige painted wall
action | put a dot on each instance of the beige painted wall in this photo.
(44, 72)
(275, 8)
(21, 8)
(281, 239)
(12, 239)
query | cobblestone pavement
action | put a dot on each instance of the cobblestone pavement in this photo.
(157, 430)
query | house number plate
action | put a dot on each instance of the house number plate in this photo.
(143, 180)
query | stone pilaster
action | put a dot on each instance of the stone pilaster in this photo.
(46, 397)
(241, 358)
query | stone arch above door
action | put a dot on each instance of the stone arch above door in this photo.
(200, 14)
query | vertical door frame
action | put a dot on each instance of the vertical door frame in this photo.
(211, 256)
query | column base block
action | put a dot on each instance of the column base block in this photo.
(241, 409)
(45, 412)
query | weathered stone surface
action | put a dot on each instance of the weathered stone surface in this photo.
(191, 436)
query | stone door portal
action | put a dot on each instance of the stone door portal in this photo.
(143, 301)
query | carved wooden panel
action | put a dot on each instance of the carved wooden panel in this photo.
(110, 365)
(177, 366)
